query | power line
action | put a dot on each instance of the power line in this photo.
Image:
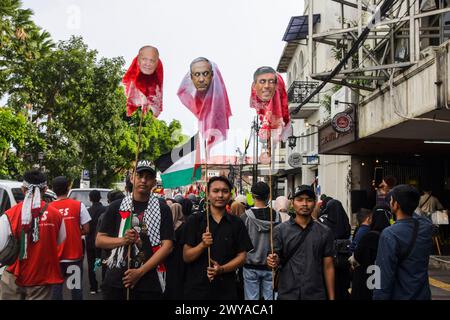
(387, 4)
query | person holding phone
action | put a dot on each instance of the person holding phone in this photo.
(383, 188)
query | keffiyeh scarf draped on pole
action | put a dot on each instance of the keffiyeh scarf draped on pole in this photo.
(144, 90)
(274, 114)
(152, 219)
(212, 109)
(31, 208)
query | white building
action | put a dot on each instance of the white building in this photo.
(395, 96)
(300, 59)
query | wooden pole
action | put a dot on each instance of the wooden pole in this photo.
(270, 204)
(206, 201)
(132, 193)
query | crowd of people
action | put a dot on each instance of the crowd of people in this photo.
(153, 248)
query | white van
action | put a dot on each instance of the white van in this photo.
(11, 194)
(82, 194)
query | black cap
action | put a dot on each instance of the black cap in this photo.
(261, 190)
(305, 189)
(145, 165)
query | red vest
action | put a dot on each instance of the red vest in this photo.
(41, 267)
(72, 247)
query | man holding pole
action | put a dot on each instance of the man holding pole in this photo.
(258, 220)
(228, 241)
(144, 224)
(304, 251)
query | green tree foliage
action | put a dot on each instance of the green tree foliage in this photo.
(21, 43)
(74, 106)
(16, 136)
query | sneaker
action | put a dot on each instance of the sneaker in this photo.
(93, 292)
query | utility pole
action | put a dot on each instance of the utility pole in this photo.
(255, 149)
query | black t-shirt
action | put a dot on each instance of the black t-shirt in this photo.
(94, 211)
(230, 237)
(111, 225)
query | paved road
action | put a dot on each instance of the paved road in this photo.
(439, 284)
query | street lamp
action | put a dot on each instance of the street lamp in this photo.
(94, 173)
(351, 104)
(292, 140)
(40, 158)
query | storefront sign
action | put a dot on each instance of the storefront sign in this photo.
(342, 122)
(295, 160)
(339, 132)
(311, 160)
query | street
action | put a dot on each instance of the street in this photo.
(439, 285)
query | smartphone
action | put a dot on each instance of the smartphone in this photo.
(378, 176)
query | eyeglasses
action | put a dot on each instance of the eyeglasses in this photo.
(270, 81)
(198, 74)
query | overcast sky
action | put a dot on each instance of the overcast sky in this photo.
(238, 35)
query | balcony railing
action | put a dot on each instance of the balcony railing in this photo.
(299, 90)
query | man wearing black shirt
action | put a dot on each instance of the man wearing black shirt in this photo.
(91, 251)
(150, 239)
(228, 241)
(304, 252)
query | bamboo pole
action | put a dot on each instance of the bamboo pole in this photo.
(206, 200)
(270, 205)
(132, 193)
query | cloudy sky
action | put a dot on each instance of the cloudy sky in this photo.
(238, 35)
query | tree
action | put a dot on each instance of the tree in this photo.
(21, 43)
(16, 136)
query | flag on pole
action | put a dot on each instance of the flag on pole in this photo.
(181, 166)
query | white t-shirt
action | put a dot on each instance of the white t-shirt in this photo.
(85, 217)
(5, 231)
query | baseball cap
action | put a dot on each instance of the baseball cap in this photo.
(305, 189)
(145, 165)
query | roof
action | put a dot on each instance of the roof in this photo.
(11, 183)
(297, 29)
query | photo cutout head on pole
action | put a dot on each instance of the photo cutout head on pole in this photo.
(269, 98)
(203, 92)
(143, 82)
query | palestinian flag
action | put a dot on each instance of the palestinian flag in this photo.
(181, 166)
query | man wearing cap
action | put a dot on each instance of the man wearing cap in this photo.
(41, 229)
(71, 251)
(303, 252)
(258, 222)
(228, 241)
(142, 223)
